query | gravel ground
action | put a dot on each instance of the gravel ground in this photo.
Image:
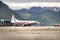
(29, 33)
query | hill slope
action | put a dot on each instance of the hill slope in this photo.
(6, 12)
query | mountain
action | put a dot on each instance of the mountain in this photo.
(48, 16)
(6, 12)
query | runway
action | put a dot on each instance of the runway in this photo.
(30, 33)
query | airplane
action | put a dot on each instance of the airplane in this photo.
(22, 22)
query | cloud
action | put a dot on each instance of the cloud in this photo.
(16, 6)
(26, 1)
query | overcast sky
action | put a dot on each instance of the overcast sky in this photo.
(22, 1)
(18, 4)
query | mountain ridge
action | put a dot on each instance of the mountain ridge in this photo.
(48, 16)
(6, 12)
